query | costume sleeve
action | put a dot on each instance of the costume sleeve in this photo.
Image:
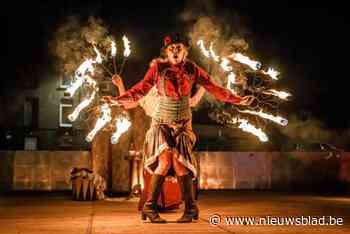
(140, 89)
(222, 94)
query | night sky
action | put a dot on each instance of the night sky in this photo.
(307, 42)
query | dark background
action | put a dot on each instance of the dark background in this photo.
(308, 42)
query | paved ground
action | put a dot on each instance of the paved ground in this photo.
(58, 214)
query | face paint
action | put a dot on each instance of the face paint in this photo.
(176, 53)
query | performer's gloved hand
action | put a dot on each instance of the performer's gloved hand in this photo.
(117, 80)
(247, 100)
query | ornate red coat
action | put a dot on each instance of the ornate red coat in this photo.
(178, 82)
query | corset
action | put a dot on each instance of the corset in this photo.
(170, 110)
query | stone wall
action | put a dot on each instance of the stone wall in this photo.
(40, 170)
(313, 171)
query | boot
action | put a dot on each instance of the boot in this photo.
(191, 209)
(150, 208)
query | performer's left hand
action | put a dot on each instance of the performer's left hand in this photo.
(247, 100)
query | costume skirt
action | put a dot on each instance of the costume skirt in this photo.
(177, 138)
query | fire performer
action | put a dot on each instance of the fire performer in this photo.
(170, 140)
(169, 198)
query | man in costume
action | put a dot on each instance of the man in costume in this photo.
(169, 142)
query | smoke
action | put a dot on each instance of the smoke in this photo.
(311, 130)
(224, 28)
(229, 33)
(73, 39)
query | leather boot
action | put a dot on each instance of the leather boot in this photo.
(191, 209)
(150, 208)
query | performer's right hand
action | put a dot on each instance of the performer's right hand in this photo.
(117, 80)
(109, 100)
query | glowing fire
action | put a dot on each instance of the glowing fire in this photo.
(231, 80)
(212, 53)
(281, 94)
(98, 58)
(80, 73)
(101, 122)
(248, 127)
(122, 125)
(206, 52)
(72, 117)
(255, 65)
(272, 73)
(127, 50)
(114, 49)
(277, 119)
(85, 67)
(225, 64)
(74, 86)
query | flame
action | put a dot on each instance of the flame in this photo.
(231, 80)
(127, 50)
(212, 53)
(114, 49)
(277, 119)
(98, 58)
(272, 73)
(248, 127)
(255, 65)
(79, 76)
(281, 94)
(80, 73)
(225, 64)
(91, 82)
(122, 125)
(206, 52)
(84, 68)
(72, 117)
(74, 86)
(102, 121)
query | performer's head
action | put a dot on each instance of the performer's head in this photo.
(175, 48)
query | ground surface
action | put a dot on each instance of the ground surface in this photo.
(59, 214)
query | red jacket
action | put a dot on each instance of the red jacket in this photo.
(179, 80)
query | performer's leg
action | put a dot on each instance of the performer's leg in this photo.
(164, 163)
(150, 208)
(186, 184)
(179, 169)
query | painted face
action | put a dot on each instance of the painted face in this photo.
(176, 53)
